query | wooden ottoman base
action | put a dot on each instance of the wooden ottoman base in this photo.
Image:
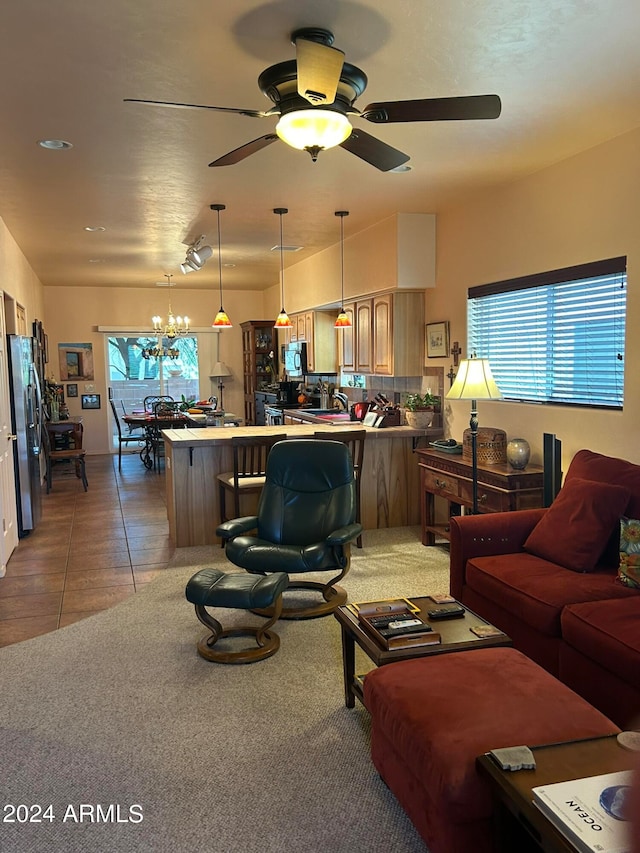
(431, 718)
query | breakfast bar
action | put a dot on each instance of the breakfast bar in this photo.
(194, 457)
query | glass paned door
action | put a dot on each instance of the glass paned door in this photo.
(135, 372)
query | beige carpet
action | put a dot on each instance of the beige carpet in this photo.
(119, 710)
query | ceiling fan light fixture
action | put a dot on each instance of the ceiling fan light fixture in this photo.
(313, 128)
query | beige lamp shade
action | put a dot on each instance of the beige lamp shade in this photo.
(220, 369)
(474, 381)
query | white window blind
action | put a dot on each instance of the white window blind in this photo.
(555, 337)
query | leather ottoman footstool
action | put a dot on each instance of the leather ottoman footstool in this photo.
(431, 718)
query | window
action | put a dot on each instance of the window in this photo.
(556, 337)
(132, 377)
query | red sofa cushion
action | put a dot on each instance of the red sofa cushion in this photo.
(607, 632)
(609, 469)
(434, 716)
(576, 528)
(537, 590)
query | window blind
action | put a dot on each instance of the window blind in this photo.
(556, 341)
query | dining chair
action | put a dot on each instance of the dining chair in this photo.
(250, 456)
(165, 414)
(149, 402)
(130, 427)
(354, 439)
(123, 439)
(73, 453)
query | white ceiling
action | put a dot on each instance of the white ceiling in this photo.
(567, 71)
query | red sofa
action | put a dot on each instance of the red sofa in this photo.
(548, 578)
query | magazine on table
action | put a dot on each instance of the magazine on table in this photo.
(592, 813)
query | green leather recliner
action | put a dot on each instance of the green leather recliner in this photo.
(305, 523)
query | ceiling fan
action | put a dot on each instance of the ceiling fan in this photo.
(313, 96)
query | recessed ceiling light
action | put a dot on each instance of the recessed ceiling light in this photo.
(96, 260)
(229, 266)
(94, 228)
(55, 144)
(405, 167)
(287, 248)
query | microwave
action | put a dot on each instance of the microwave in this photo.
(294, 359)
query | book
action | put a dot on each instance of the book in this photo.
(589, 812)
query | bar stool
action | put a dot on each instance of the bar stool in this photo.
(354, 439)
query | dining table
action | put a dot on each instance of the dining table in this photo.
(152, 426)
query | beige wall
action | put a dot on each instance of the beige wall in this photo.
(73, 316)
(582, 209)
(18, 280)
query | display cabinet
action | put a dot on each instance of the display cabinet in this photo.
(258, 341)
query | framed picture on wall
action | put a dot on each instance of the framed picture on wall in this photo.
(437, 340)
(90, 401)
(72, 390)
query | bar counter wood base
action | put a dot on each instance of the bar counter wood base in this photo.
(194, 457)
(501, 488)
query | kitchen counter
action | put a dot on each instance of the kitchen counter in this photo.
(194, 456)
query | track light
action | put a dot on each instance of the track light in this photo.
(197, 256)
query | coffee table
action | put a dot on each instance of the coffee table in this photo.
(455, 635)
(519, 824)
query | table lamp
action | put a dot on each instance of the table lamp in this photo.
(474, 382)
(220, 370)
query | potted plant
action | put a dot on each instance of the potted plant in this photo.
(420, 409)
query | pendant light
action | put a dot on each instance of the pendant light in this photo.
(342, 320)
(282, 321)
(221, 320)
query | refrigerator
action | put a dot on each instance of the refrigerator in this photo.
(25, 388)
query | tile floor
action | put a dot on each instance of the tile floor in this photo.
(90, 551)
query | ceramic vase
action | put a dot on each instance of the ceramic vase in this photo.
(420, 419)
(518, 453)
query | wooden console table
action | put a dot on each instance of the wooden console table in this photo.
(501, 488)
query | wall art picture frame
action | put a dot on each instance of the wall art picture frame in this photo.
(76, 361)
(72, 389)
(437, 339)
(90, 401)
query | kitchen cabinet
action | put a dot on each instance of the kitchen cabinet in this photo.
(346, 350)
(387, 336)
(257, 342)
(316, 328)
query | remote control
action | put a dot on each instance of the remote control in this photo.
(446, 612)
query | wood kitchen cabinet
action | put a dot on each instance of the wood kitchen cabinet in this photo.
(316, 328)
(387, 336)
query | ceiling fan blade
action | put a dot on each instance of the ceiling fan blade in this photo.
(374, 151)
(434, 109)
(244, 151)
(319, 69)
(238, 111)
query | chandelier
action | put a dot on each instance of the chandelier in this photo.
(160, 352)
(173, 328)
(175, 325)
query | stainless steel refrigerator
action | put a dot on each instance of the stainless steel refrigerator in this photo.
(27, 423)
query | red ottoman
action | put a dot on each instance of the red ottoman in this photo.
(431, 718)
